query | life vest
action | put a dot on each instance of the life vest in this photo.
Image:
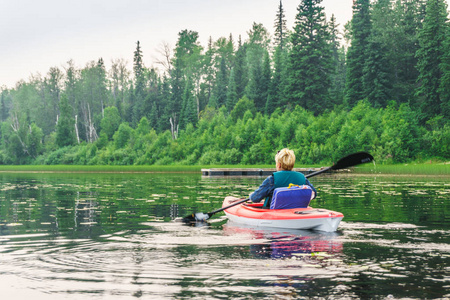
(283, 179)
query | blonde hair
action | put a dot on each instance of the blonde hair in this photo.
(286, 158)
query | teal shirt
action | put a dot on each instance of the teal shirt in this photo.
(284, 178)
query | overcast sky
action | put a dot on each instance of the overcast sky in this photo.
(38, 34)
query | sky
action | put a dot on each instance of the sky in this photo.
(36, 35)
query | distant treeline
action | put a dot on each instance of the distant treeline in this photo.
(237, 102)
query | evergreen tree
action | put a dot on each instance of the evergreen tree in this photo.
(400, 30)
(188, 58)
(310, 61)
(224, 48)
(219, 96)
(139, 86)
(232, 96)
(377, 79)
(162, 123)
(70, 83)
(361, 27)
(208, 70)
(257, 49)
(265, 79)
(280, 27)
(275, 94)
(101, 82)
(338, 61)
(240, 69)
(152, 101)
(189, 108)
(173, 107)
(445, 80)
(430, 58)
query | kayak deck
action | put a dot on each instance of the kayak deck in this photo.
(294, 218)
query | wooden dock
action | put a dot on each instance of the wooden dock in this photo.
(250, 172)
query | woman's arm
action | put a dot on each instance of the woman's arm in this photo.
(263, 191)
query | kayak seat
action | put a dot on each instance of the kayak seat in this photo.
(293, 196)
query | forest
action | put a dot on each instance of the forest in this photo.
(381, 85)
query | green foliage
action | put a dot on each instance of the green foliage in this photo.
(110, 122)
(388, 94)
(65, 130)
(241, 108)
(123, 136)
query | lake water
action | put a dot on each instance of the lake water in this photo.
(113, 236)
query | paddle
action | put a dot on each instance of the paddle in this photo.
(346, 162)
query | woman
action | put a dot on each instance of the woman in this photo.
(285, 160)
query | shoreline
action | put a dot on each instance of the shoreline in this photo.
(434, 169)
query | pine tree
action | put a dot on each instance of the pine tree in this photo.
(257, 47)
(310, 61)
(189, 109)
(445, 80)
(276, 97)
(402, 45)
(338, 61)
(430, 58)
(265, 80)
(162, 120)
(208, 70)
(188, 60)
(377, 84)
(240, 70)
(377, 73)
(101, 82)
(220, 87)
(174, 106)
(139, 86)
(152, 101)
(232, 96)
(254, 89)
(280, 27)
(361, 27)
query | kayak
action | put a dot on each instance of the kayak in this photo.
(254, 214)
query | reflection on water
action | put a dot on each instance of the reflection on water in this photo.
(276, 243)
(112, 236)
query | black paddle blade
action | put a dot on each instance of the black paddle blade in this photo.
(197, 217)
(353, 160)
(189, 219)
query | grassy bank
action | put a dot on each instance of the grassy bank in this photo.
(412, 169)
(406, 169)
(99, 169)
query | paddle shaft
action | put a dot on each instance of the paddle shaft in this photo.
(226, 207)
(317, 172)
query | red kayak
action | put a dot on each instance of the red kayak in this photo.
(293, 218)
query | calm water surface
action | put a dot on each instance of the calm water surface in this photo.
(113, 236)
